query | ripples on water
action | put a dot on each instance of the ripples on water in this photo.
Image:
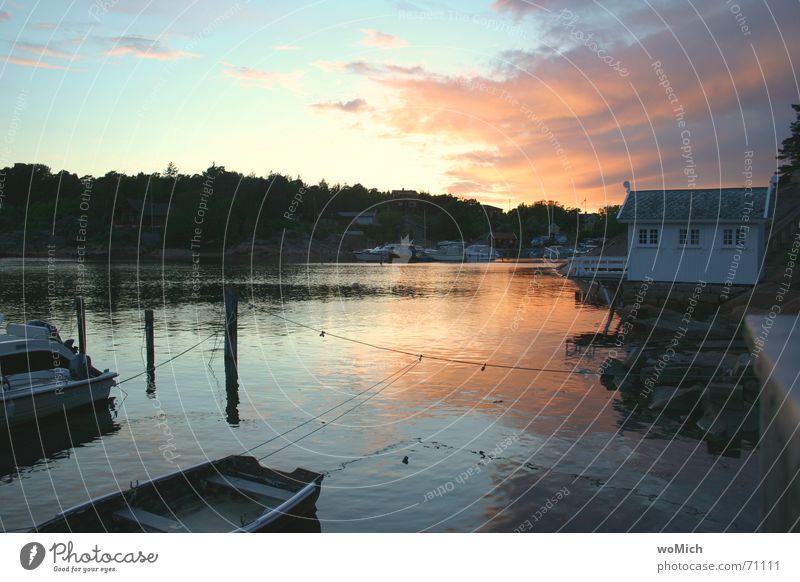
(486, 449)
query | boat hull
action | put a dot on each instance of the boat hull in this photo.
(23, 406)
(370, 257)
(205, 498)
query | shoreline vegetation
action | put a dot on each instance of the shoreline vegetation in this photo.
(225, 212)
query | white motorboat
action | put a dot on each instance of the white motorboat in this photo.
(480, 254)
(376, 255)
(402, 252)
(448, 251)
(40, 375)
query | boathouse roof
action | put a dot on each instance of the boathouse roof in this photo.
(695, 205)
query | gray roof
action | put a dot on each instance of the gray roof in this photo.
(696, 205)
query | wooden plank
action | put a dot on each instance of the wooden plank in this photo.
(149, 520)
(247, 486)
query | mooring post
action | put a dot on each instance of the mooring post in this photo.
(231, 325)
(80, 314)
(149, 335)
(611, 308)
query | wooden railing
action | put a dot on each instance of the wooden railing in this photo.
(600, 267)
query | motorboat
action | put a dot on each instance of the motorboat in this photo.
(376, 255)
(480, 254)
(233, 494)
(40, 375)
(402, 252)
(447, 251)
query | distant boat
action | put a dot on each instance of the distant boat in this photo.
(448, 251)
(402, 252)
(376, 255)
(40, 375)
(233, 494)
(480, 254)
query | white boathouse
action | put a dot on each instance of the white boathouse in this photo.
(714, 235)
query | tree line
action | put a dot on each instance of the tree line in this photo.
(227, 208)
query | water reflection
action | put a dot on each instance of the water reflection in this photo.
(417, 435)
(28, 447)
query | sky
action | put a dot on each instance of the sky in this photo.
(506, 101)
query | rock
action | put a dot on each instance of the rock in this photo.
(680, 400)
(611, 368)
(712, 423)
(724, 394)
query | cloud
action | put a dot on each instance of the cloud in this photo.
(4, 16)
(251, 77)
(23, 62)
(41, 50)
(329, 66)
(352, 106)
(143, 47)
(287, 47)
(376, 38)
(365, 68)
(563, 124)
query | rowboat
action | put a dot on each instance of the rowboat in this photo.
(233, 494)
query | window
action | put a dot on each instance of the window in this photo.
(728, 237)
(690, 237)
(648, 237)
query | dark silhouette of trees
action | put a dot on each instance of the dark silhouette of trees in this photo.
(218, 209)
(789, 153)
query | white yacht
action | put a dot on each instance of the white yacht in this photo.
(376, 255)
(402, 252)
(40, 375)
(480, 254)
(456, 252)
(448, 251)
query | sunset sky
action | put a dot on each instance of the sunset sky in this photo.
(499, 100)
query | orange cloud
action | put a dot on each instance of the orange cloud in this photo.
(376, 38)
(352, 106)
(146, 48)
(251, 77)
(23, 62)
(561, 123)
(41, 50)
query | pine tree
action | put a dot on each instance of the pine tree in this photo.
(789, 153)
(171, 171)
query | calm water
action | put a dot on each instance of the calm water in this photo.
(485, 449)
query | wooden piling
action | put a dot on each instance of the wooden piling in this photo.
(231, 328)
(149, 334)
(80, 314)
(231, 355)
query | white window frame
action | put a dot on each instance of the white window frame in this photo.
(726, 232)
(689, 237)
(738, 237)
(651, 237)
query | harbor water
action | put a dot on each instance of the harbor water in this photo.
(447, 446)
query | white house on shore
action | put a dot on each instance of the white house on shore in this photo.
(686, 236)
